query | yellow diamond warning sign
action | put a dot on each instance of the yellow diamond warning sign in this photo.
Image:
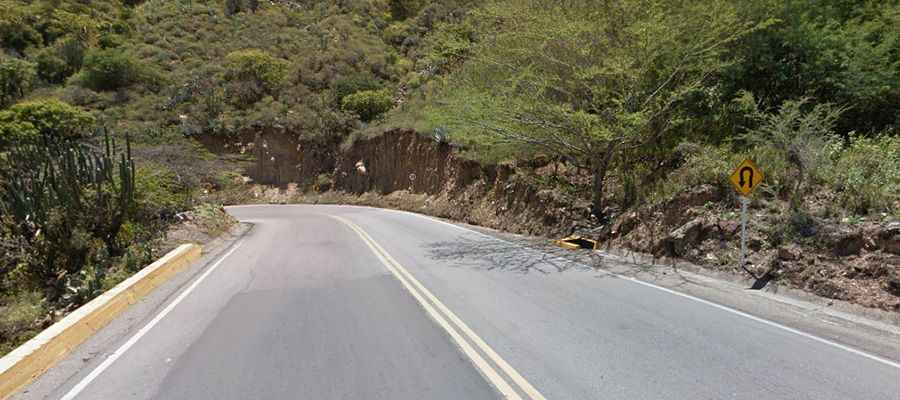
(746, 177)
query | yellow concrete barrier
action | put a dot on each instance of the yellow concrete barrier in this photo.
(577, 242)
(30, 360)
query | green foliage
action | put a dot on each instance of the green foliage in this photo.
(16, 79)
(159, 193)
(403, 9)
(253, 74)
(702, 165)
(17, 319)
(213, 218)
(368, 104)
(866, 174)
(109, 69)
(47, 118)
(232, 7)
(16, 27)
(792, 143)
(346, 86)
(67, 203)
(847, 53)
(60, 61)
(583, 80)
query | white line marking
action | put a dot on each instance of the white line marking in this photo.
(773, 324)
(78, 388)
(418, 291)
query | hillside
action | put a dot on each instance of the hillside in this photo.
(619, 119)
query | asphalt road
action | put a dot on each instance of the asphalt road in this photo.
(326, 302)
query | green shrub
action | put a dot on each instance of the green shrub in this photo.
(403, 9)
(50, 118)
(16, 79)
(368, 104)
(255, 66)
(346, 86)
(16, 30)
(866, 175)
(703, 165)
(213, 219)
(791, 144)
(396, 33)
(51, 68)
(17, 319)
(109, 69)
(159, 193)
(66, 203)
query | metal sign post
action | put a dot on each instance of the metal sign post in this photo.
(745, 178)
(744, 202)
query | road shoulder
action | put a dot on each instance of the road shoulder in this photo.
(93, 351)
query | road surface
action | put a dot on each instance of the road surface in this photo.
(328, 302)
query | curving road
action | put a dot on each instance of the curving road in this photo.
(328, 302)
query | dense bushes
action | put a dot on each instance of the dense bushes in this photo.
(795, 85)
(48, 118)
(843, 52)
(368, 104)
(402, 9)
(16, 79)
(866, 174)
(346, 86)
(67, 204)
(252, 74)
(60, 61)
(109, 69)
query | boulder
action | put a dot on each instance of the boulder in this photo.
(847, 243)
(888, 238)
(789, 253)
(892, 285)
(625, 224)
(698, 196)
(688, 235)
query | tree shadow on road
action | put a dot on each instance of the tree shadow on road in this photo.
(500, 255)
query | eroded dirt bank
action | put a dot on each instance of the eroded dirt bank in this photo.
(404, 170)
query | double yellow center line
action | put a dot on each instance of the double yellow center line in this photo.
(461, 334)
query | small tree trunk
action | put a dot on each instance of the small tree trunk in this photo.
(599, 168)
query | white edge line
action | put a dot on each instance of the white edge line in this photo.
(81, 385)
(773, 324)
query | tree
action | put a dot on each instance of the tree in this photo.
(842, 52)
(16, 78)
(586, 81)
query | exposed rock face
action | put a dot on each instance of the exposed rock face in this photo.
(407, 164)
